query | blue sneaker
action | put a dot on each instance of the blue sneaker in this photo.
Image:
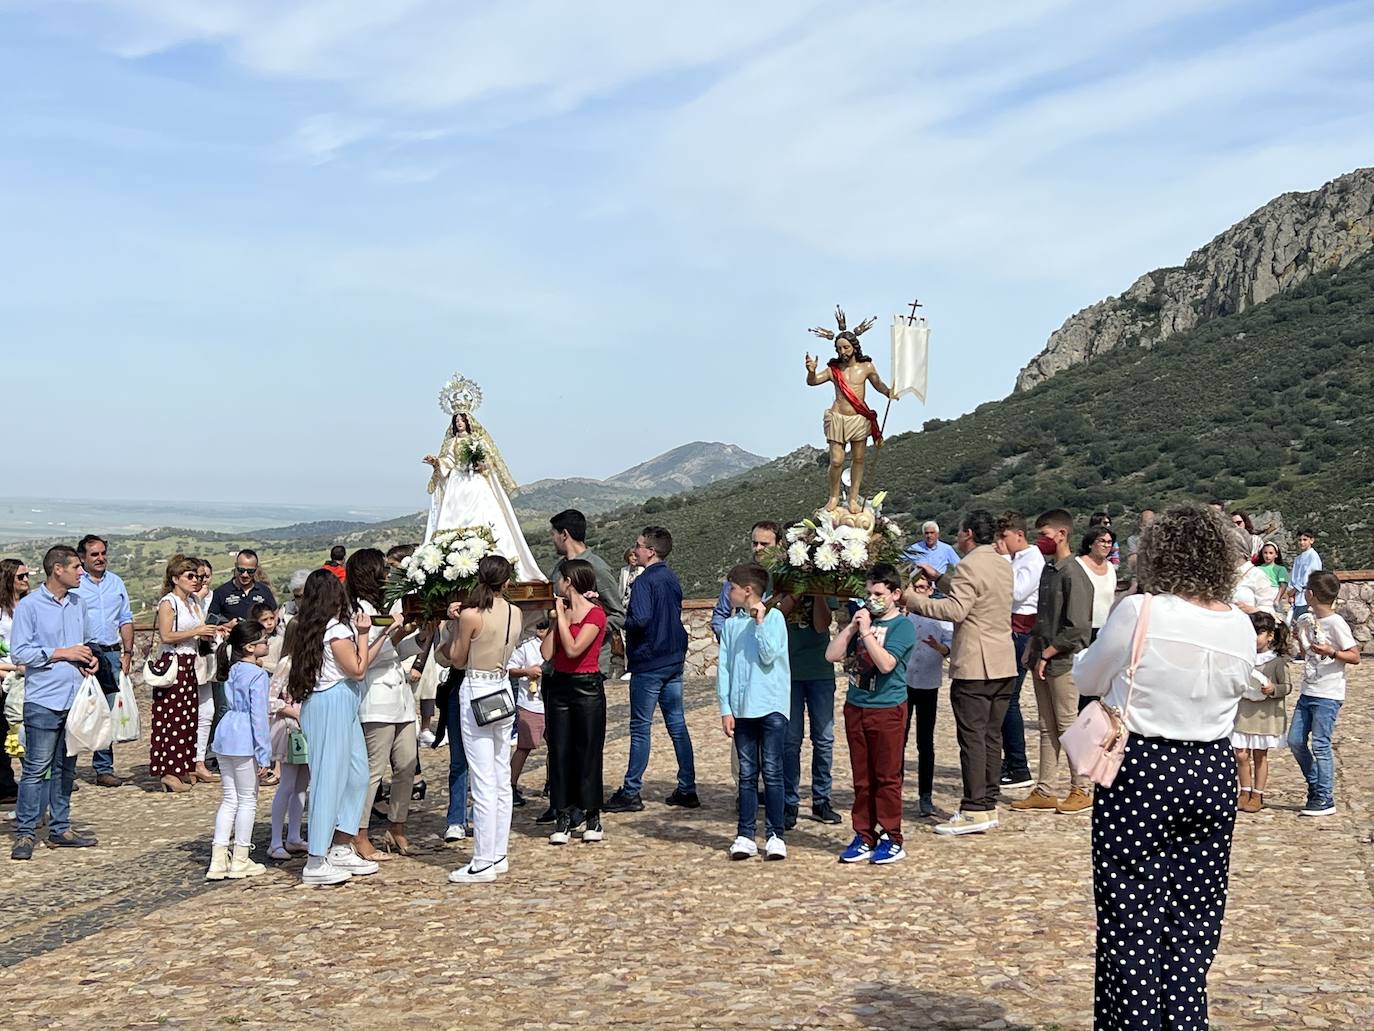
(857, 851)
(888, 851)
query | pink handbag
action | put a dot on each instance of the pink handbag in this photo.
(1096, 742)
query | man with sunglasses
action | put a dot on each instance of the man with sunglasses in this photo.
(235, 599)
(109, 623)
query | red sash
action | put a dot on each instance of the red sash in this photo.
(842, 385)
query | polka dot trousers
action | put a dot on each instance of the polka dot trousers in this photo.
(1161, 858)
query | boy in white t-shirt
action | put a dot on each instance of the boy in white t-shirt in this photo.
(526, 672)
(1327, 647)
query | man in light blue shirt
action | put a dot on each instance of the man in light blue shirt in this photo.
(109, 621)
(1305, 563)
(933, 552)
(47, 638)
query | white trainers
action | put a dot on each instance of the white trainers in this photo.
(968, 823)
(467, 875)
(278, 853)
(343, 857)
(502, 865)
(776, 848)
(319, 870)
(427, 738)
(743, 848)
(455, 832)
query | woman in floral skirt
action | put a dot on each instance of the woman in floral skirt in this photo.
(180, 626)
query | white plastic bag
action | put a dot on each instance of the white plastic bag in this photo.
(14, 699)
(125, 711)
(89, 727)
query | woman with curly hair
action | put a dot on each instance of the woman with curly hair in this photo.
(1161, 837)
(329, 659)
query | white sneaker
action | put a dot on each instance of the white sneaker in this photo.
(319, 870)
(743, 848)
(467, 875)
(776, 848)
(345, 858)
(1328, 810)
(502, 865)
(966, 823)
(560, 836)
(455, 832)
(427, 738)
(278, 853)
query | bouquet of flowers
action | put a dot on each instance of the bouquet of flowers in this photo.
(473, 454)
(442, 569)
(831, 553)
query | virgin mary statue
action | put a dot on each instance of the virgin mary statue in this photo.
(471, 485)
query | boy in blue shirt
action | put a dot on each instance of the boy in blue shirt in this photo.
(875, 647)
(754, 684)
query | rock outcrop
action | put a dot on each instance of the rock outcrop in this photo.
(1291, 238)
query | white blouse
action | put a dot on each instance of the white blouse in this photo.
(186, 615)
(1256, 590)
(1104, 591)
(1194, 668)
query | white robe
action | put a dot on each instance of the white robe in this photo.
(464, 498)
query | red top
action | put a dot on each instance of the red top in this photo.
(337, 570)
(590, 660)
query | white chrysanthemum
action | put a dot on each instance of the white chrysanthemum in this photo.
(795, 533)
(417, 575)
(407, 562)
(826, 559)
(798, 554)
(465, 566)
(451, 573)
(894, 531)
(431, 558)
(476, 547)
(855, 554)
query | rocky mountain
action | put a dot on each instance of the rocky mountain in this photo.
(1291, 238)
(685, 467)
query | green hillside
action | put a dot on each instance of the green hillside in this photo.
(1272, 409)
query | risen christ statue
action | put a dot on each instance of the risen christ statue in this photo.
(849, 421)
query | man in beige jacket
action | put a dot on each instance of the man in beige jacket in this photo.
(982, 663)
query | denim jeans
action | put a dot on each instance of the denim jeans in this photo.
(1314, 719)
(662, 689)
(1013, 724)
(108, 675)
(48, 772)
(817, 697)
(458, 811)
(759, 742)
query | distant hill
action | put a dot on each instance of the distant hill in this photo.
(1293, 237)
(685, 467)
(1268, 409)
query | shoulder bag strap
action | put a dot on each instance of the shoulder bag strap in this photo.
(1142, 626)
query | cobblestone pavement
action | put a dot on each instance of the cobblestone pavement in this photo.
(656, 928)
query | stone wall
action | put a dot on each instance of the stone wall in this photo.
(1356, 605)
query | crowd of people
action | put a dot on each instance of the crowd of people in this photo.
(1195, 632)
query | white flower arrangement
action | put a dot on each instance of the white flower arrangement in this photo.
(446, 566)
(832, 552)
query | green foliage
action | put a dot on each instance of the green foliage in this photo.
(1268, 409)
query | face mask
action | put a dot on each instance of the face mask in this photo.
(1046, 545)
(877, 606)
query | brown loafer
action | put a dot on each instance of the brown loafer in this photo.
(109, 780)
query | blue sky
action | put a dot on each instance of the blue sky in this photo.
(255, 237)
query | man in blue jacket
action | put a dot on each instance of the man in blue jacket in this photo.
(655, 651)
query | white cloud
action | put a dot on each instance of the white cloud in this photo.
(321, 137)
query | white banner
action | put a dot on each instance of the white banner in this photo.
(910, 356)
